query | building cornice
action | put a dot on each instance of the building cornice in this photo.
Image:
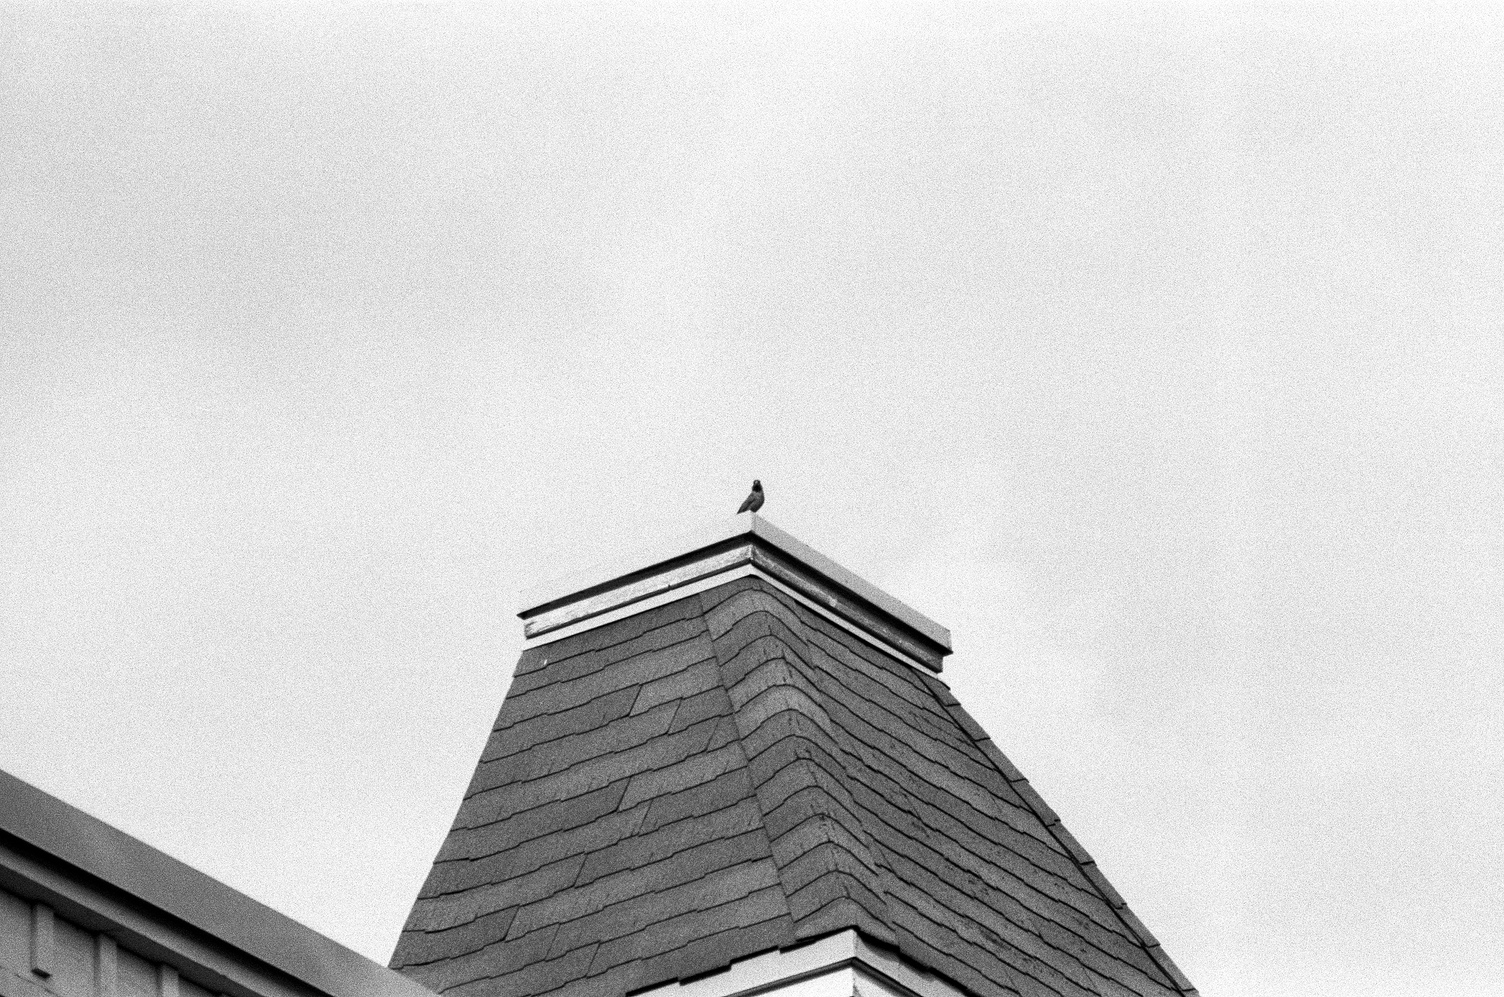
(729, 549)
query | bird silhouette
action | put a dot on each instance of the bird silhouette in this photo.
(754, 500)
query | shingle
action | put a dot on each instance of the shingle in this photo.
(1171, 970)
(1036, 802)
(498, 833)
(707, 797)
(898, 681)
(689, 864)
(771, 730)
(826, 851)
(794, 703)
(477, 934)
(1109, 893)
(725, 733)
(935, 763)
(1072, 952)
(996, 961)
(521, 859)
(812, 797)
(531, 659)
(710, 703)
(537, 730)
(1069, 842)
(448, 910)
(795, 763)
(1038, 892)
(645, 849)
(806, 823)
(989, 844)
(998, 981)
(968, 724)
(1004, 765)
(1137, 927)
(566, 692)
(908, 708)
(619, 633)
(713, 597)
(693, 770)
(677, 932)
(496, 959)
(738, 660)
(539, 977)
(716, 889)
(697, 678)
(557, 754)
(617, 980)
(744, 608)
(714, 951)
(903, 679)
(772, 673)
(1108, 987)
(590, 775)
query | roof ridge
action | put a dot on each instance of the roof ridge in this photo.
(804, 823)
(1052, 823)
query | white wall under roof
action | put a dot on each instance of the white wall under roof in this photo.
(44, 955)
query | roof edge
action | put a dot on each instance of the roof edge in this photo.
(106, 853)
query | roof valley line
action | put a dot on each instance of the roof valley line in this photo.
(724, 767)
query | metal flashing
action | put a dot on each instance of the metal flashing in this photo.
(721, 552)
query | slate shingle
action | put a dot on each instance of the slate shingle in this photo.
(731, 772)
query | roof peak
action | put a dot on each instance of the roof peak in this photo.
(718, 552)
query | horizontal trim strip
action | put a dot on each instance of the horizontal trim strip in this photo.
(704, 584)
(747, 540)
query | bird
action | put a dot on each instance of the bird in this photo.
(754, 500)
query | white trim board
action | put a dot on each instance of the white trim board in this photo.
(555, 607)
(839, 965)
(710, 582)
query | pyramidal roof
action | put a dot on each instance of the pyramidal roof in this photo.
(733, 748)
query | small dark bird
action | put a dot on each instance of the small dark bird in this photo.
(754, 500)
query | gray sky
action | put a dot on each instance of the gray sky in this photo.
(1156, 351)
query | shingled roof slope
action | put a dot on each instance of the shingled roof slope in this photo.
(731, 773)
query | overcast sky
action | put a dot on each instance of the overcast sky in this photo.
(1157, 351)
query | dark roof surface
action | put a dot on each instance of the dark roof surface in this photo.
(731, 773)
(160, 882)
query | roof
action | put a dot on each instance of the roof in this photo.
(732, 772)
(90, 847)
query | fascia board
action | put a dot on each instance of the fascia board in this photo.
(64, 852)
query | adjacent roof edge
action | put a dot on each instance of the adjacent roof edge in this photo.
(108, 854)
(718, 548)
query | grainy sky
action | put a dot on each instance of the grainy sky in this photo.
(1158, 351)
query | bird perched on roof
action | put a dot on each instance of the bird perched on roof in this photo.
(754, 500)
